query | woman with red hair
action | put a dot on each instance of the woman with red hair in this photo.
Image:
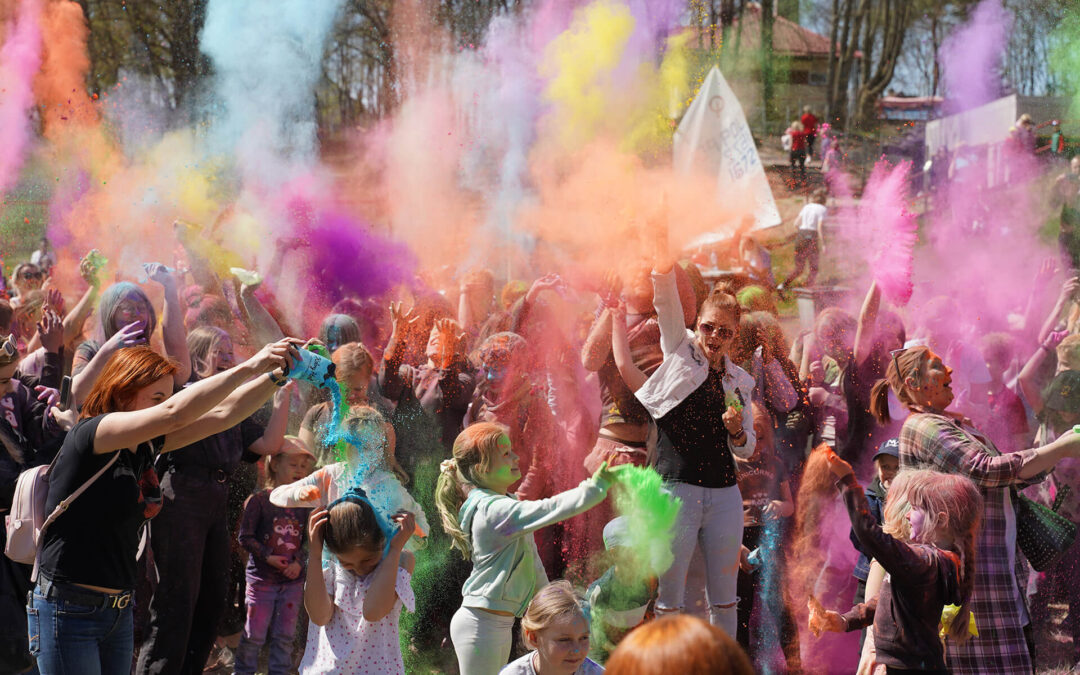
(80, 612)
(678, 644)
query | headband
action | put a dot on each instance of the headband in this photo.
(357, 495)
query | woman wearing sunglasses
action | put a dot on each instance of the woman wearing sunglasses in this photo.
(27, 277)
(701, 403)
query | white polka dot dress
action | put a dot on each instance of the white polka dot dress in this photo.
(349, 643)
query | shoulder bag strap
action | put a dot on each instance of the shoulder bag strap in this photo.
(65, 503)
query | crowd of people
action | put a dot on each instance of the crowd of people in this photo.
(457, 456)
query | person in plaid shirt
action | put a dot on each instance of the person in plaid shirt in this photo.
(934, 439)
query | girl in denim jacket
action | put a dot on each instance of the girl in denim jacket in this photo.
(496, 530)
(700, 401)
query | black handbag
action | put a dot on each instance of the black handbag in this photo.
(1042, 533)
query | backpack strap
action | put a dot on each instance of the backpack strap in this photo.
(64, 504)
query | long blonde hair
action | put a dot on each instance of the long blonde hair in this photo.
(474, 450)
(202, 342)
(935, 493)
(551, 603)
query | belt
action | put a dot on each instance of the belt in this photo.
(84, 596)
(216, 475)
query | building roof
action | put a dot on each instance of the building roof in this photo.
(789, 38)
(910, 102)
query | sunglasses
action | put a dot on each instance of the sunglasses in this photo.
(7, 346)
(723, 332)
(895, 354)
(31, 275)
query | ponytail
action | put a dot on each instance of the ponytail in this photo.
(449, 496)
(904, 364)
(474, 449)
(879, 402)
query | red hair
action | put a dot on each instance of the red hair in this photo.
(678, 644)
(129, 370)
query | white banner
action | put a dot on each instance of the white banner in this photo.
(714, 135)
(986, 125)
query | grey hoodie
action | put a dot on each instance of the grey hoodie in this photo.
(507, 570)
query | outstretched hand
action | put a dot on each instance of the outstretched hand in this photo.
(609, 474)
(839, 467)
(400, 320)
(822, 620)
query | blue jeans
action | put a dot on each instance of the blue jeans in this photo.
(73, 639)
(271, 613)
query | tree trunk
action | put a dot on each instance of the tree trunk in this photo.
(830, 77)
(896, 17)
(767, 74)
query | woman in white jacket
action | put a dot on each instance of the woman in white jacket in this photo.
(701, 403)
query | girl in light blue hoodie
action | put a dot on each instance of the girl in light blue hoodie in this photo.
(496, 530)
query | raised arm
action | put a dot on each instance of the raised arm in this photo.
(276, 428)
(173, 333)
(237, 407)
(121, 430)
(1028, 379)
(87, 372)
(262, 322)
(391, 383)
(953, 451)
(382, 592)
(598, 344)
(317, 601)
(864, 333)
(633, 376)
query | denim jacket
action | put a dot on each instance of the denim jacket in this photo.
(685, 367)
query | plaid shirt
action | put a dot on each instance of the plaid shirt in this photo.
(941, 443)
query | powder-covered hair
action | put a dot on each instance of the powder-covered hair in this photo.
(352, 524)
(475, 448)
(912, 362)
(936, 493)
(338, 330)
(352, 358)
(551, 603)
(112, 297)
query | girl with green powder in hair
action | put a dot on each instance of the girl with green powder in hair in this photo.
(496, 530)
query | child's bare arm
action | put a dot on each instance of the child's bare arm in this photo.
(382, 593)
(319, 604)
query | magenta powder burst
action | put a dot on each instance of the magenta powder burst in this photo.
(346, 258)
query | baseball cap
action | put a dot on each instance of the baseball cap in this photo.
(890, 447)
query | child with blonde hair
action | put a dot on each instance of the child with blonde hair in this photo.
(927, 549)
(556, 629)
(496, 531)
(274, 537)
(367, 465)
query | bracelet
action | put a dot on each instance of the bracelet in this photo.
(278, 381)
(741, 434)
(1046, 348)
